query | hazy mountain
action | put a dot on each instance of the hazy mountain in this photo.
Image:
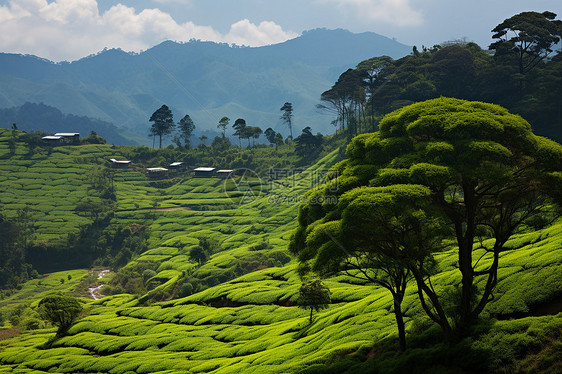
(32, 117)
(206, 80)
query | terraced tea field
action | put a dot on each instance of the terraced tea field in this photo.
(247, 323)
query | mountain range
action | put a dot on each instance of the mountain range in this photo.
(206, 80)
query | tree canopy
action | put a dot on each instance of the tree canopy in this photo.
(484, 174)
(223, 124)
(530, 36)
(239, 126)
(62, 311)
(185, 129)
(162, 122)
(287, 116)
(522, 75)
(314, 296)
(307, 144)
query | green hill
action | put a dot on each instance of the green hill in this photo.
(239, 312)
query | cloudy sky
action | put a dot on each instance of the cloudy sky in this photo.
(71, 29)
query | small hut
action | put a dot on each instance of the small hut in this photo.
(176, 166)
(120, 164)
(224, 173)
(69, 137)
(52, 139)
(157, 173)
(204, 172)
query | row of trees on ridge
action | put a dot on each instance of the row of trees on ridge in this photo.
(520, 71)
(163, 124)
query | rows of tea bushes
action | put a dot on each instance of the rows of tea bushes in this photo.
(234, 309)
(250, 324)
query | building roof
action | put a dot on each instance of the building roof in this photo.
(62, 134)
(175, 164)
(119, 162)
(204, 169)
(225, 171)
(156, 170)
(52, 137)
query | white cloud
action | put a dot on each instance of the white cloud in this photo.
(68, 11)
(70, 29)
(393, 12)
(246, 33)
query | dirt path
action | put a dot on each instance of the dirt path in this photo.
(95, 291)
(171, 209)
(155, 209)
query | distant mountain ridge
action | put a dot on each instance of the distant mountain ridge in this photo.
(32, 116)
(206, 80)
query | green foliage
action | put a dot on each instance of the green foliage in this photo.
(162, 122)
(535, 36)
(308, 145)
(471, 166)
(93, 138)
(520, 76)
(17, 236)
(314, 296)
(238, 310)
(185, 128)
(198, 254)
(61, 311)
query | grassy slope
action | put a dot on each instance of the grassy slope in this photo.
(246, 324)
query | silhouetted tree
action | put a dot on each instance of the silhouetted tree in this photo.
(162, 122)
(223, 123)
(270, 135)
(239, 126)
(534, 35)
(307, 144)
(287, 116)
(278, 140)
(185, 129)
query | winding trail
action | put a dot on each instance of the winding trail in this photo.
(95, 291)
(155, 209)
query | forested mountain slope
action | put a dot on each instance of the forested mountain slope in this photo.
(203, 79)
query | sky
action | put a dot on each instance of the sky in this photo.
(68, 30)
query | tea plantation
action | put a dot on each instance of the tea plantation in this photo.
(235, 311)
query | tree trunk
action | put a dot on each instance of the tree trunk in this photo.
(437, 315)
(291, 128)
(160, 140)
(311, 309)
(400, 322)
(465, 262)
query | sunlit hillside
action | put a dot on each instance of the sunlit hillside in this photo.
(239, 314)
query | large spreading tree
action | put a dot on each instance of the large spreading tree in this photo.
(484, 174)
(529, 36)
(62, 311)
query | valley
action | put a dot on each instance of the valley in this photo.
(244, 317)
